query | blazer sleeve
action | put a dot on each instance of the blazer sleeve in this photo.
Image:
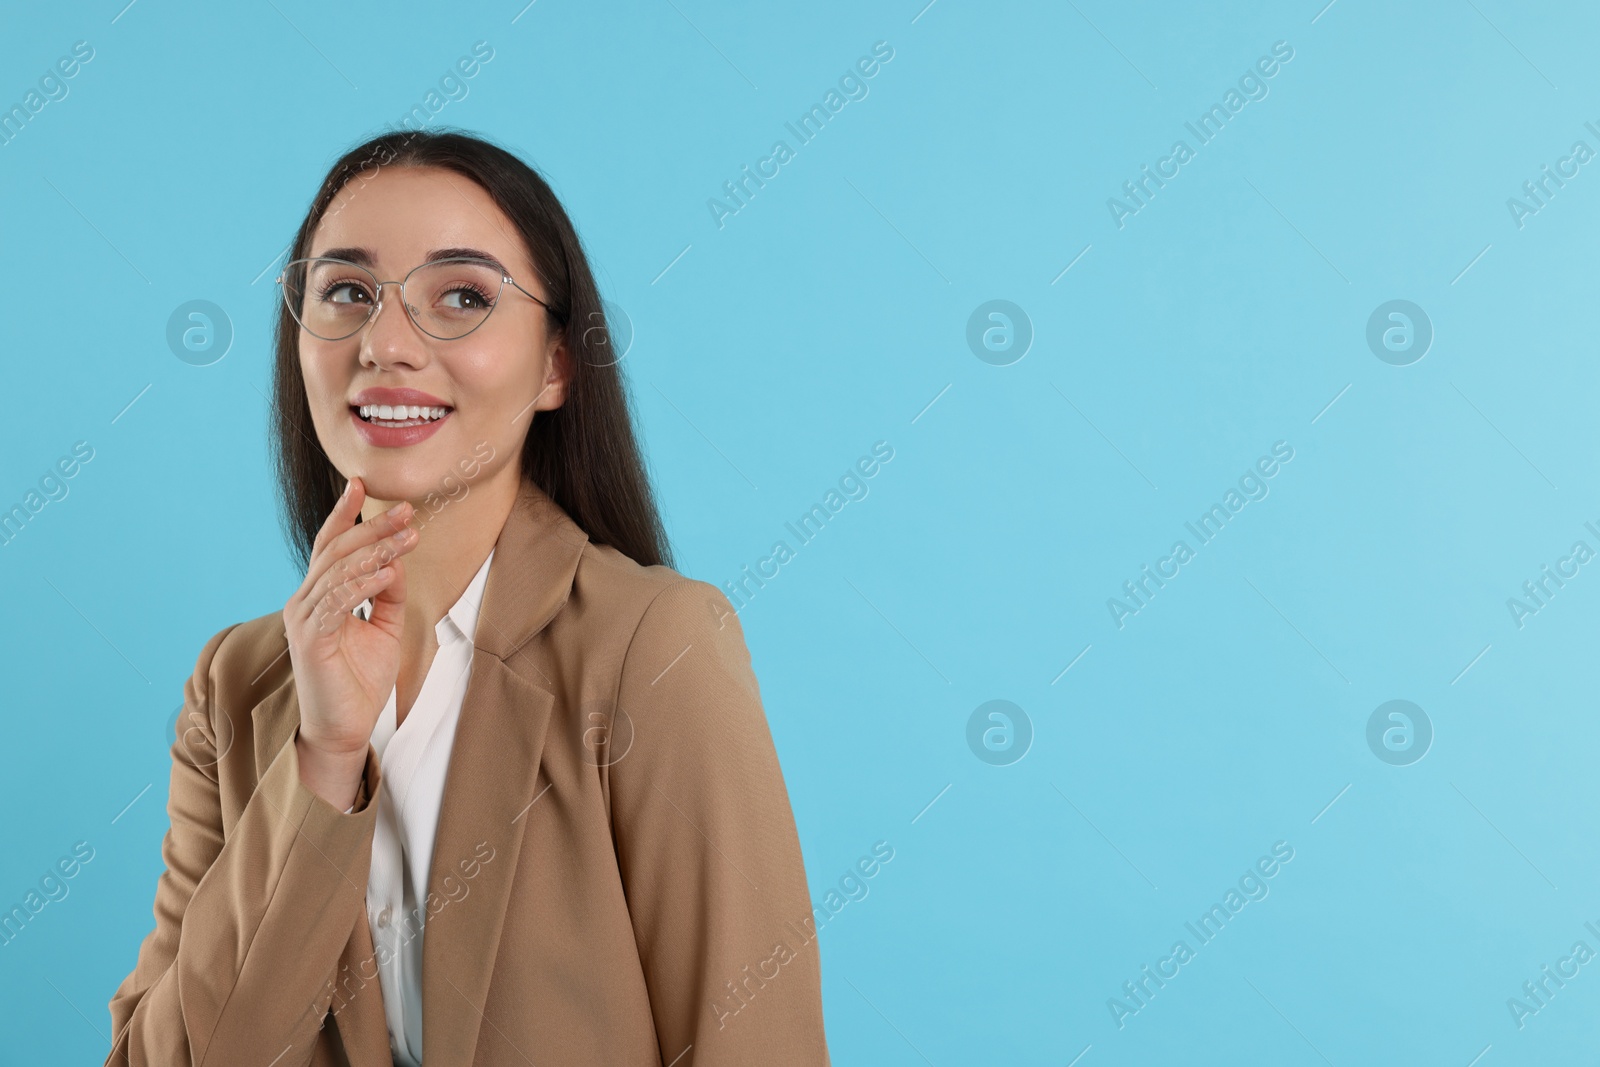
(707, 847)
(250, 919)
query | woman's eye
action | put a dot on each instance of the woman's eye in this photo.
(464, 300)
(346, 293)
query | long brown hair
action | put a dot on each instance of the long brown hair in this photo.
(583, 455)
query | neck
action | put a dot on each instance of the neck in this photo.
(456, 535)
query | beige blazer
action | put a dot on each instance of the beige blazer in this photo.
(616, 877)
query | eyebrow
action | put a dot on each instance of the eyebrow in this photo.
(363, 257)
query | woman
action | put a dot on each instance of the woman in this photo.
(495, 786)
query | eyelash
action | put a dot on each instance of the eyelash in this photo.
(466, 287)
(328, 287)
(473, 289)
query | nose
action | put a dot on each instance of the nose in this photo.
(392, 339)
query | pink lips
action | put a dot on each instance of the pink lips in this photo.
(395, 436)
(411, 398)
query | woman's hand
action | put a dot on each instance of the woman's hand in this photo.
(344, 667)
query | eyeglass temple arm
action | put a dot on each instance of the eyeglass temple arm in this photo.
(527, 294)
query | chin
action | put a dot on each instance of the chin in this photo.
(386, 479)
(397, 486)
(442, 466)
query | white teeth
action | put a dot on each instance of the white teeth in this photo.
(391, 413)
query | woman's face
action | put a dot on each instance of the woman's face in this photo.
(491, 381)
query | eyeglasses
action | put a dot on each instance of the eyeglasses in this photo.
(446, 298)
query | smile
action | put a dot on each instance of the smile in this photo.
(400, 416)
(384, 426)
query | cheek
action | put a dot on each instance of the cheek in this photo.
(314, 369)
(325, 368)
(326, 385)
(493, 379)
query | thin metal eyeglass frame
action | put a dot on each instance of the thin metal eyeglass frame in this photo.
(411, 314)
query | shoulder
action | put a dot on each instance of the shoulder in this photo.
(681, 680)
(646, 602)
(244, 661)
(255, 645)
(647, 619)
(240, 669)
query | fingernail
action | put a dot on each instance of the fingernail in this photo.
(394, 512)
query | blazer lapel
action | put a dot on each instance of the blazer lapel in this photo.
(492, 776)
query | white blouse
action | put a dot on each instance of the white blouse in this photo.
(414, 760)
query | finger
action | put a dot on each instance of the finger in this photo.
(340, 533)
(345, 509)
(339, 579)
(389, 600)
(339, 521)
(335, 608)
(348, 544)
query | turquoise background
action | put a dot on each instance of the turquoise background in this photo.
(831, 312)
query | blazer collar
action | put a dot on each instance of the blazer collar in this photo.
(490, 784)
(535, 560)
